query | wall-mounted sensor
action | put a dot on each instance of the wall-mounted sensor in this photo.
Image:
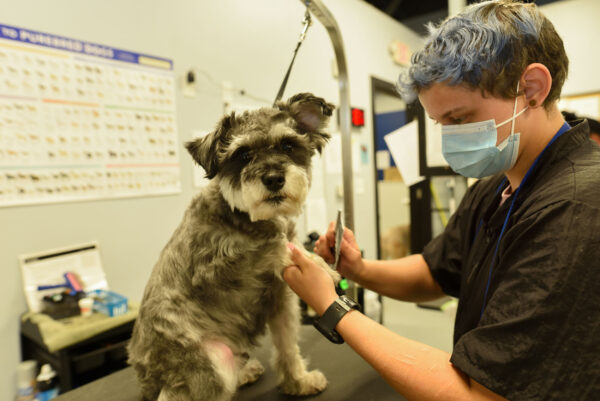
(189, 84)
(191, 77)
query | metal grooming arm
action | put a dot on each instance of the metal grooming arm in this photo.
(318, 9)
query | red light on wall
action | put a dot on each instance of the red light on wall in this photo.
(358, 117)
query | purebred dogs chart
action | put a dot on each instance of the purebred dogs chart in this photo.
(82, 121)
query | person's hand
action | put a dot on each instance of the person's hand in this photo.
(310, 281)
(350, 263)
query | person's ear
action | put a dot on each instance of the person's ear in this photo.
(536, 83)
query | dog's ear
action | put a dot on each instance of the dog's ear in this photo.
(311, 114)
(205, 150)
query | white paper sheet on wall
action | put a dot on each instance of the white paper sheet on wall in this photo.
(83, 121)
(403, 144)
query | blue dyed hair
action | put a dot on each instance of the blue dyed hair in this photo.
(487, 46)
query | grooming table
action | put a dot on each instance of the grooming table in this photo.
(350, 378)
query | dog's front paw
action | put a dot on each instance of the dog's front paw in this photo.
(250, 372)
(310, 383)
(335, 276)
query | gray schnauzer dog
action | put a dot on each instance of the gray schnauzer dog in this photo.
(218, 282)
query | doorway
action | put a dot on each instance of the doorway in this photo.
(392, 196)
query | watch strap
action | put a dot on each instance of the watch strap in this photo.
(326, 324)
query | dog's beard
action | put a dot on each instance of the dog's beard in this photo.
(262, 204)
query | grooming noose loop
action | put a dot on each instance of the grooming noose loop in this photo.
(307, 22)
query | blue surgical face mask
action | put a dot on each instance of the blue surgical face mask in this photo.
(471, 151)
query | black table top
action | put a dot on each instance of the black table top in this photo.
(350, 377)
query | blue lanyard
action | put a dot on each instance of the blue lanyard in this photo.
(565, 127)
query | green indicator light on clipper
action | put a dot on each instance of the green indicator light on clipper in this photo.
(343, 284)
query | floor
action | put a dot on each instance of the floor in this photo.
(429, 326)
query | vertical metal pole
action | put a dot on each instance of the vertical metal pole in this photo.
(318, 9)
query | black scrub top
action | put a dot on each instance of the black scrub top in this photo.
(538, 335)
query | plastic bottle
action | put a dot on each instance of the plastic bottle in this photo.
(26, 380)
(47, 384)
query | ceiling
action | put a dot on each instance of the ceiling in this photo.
(416, 13)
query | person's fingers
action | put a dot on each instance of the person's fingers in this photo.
(330, 235)
(348, 249)
(323, 250)
(331, 226)
(291, 273)
(327, 256)
(349, 236)
(298, 256)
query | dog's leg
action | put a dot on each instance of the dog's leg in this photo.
(251, 372)
(208, 373)
(294, 379)
(335, 276)
(197, 386)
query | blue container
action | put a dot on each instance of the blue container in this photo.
(108, 302)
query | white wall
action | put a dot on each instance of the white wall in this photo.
(577, 22)
(249, 43)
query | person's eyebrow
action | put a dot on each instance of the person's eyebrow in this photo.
(448, 113)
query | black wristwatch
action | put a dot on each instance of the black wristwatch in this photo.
(326, 323)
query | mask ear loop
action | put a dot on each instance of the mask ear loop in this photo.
(514, 116)
(512, 125)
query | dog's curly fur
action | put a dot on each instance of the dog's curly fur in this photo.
(218, 282)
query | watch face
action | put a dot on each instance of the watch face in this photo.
(343, 303)
(348, 303)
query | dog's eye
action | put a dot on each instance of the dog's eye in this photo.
(244, 154)
(287, 147)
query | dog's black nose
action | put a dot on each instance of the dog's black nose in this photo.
(273, 182)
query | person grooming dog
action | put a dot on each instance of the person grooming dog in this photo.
(522, 251)
(218, 282)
